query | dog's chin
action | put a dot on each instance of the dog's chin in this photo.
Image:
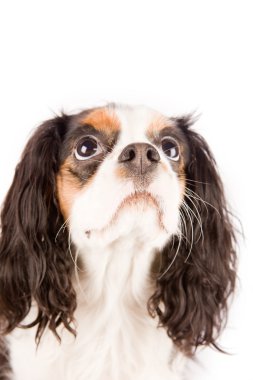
(138, 218)
(137, 204)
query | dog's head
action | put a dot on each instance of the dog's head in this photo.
(122, 172)
(103, 175)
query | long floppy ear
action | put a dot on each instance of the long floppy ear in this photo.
(34, 265)
(198, 271)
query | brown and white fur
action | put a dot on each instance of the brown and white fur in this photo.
(117, 249)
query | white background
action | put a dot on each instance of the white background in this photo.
(175, 56)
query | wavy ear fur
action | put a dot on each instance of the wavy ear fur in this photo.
(198, 269)
(33, 265)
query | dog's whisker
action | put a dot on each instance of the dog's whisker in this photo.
(197, 217)
(182, 220)
(77, 274)
(192, 193)
(194, 181)
(186, 208)
(62, 228)
(173, 260)
(74, 259)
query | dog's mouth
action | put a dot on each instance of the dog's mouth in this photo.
(140, 201)
(137, 197)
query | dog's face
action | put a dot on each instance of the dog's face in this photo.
(122, 172)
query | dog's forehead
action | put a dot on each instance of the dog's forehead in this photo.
(133, 123)
(137, 122)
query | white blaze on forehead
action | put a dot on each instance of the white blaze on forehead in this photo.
(134, 123)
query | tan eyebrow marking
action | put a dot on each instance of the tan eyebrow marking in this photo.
(159, 122)
(103, 120)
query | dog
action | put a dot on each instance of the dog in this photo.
(117, 253)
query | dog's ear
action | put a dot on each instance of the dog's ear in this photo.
(34, 265)
(5, 365)
(198, 272)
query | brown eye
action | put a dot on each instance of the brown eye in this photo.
(87, 148)
(170, 148)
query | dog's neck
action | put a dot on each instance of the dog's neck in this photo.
(118, 273)
(117, 262)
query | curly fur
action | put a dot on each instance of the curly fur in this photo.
(33, 264)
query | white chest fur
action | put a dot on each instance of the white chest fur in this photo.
(116, 337)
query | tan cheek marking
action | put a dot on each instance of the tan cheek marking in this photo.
(68, 187)
(181, 174)
(103, 120)
(182, 186)
(181, 169)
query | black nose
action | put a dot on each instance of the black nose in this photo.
(140, 158)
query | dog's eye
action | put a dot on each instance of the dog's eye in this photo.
(87, 148)
(170, 148)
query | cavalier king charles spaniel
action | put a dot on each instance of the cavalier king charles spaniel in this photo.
(117, 251)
